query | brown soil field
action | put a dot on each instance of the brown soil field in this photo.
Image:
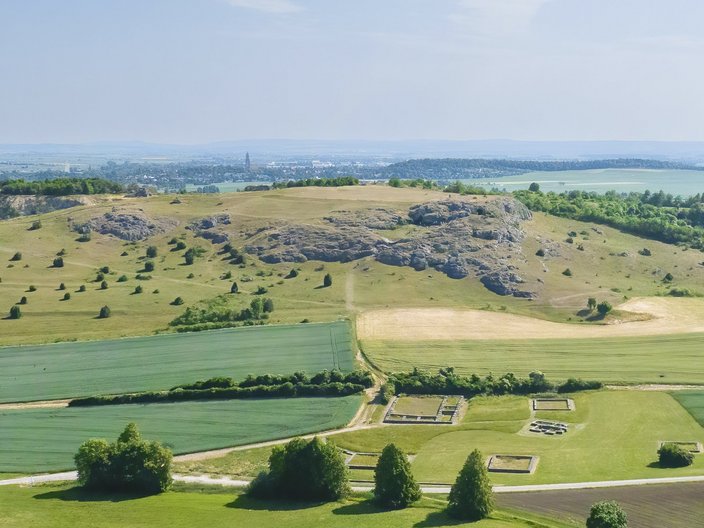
(668, 316)
(648, 506)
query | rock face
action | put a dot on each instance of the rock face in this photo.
(131, 226)
(455, 237)
(11, 206)
(203, 228)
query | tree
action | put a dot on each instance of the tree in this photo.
(58, 262)
(604, 307)
(129, 464)
(122, 278)
(268, 305)
(303, 470)
(104, 285)
(668, 277)
(67, 296)
(292, 274)
(591, 304)
(674, 455)
(534, 187)
(138, 289)
(104, 312)
(471, 496)
(17, 256)
(178, 301)
(32, 288)
(151, 252)
(567, 272)
(82, 288)
(62, 286)
(234, 288)
(37, 224)
(149, 266)
(189, 256)
(23, 300)
(607, 514)
(15, 312)
(327, 280)
(394, 485)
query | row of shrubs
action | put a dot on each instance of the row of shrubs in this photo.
(446, 381)
(357, 377)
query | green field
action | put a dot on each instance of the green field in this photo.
(693, 401)
(58, 506)
(613, 435)
(675, 358)
(46, 439)
(68, 370)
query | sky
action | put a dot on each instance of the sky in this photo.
(198, 71)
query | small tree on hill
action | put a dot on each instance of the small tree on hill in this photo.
(17, 256)
(189, 256)
(149, 266)
(32, 288)
(37, 224)
(567, 272)
(67, 296)
(534, 187)
(394, 485)
(607, 514)
(58, 262)
(138, 289)
(104, 285)
(234, 288)
(104, 312)
(23, 300)
(151, 252)
(15, 312)
(178, 301)
(82, 288)
(327, 280)
(604, 307)
(591, 304)
(471, 496)
(268, 305)
(62, 286)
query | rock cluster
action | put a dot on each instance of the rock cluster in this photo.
(203, 228)
(131, 226)
(455, 237)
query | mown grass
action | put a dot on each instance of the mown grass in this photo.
(693, 401)
(614, 435)
(159, 362)
(675, 358)
(47, 439)
(59, 506)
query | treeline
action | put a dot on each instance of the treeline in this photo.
(447, 381)
(453, 168)
(60, 187)
(258, 310)
(654, 215)
(317, 182)
(326, 383)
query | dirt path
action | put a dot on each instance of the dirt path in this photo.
(47, 404)
(668, 316)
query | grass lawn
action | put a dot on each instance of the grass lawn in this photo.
(418, 405)
(652, 359)
(613, 435)
(58, 506)
(159, 362)
(46, 439)
(693, 401)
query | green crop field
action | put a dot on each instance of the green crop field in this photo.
(47, 439)
(693, 401)
(675, 358)
(613, 435)
(158, 362)
(59, 506)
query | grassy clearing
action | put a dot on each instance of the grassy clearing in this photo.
(243, 465)
(158, 362)
(47, 439)
(693, 401)
(614, 435)
(418, 405)
(648, 359)
(516, 463)
(62, 507)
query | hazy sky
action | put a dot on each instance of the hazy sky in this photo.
(191, 71)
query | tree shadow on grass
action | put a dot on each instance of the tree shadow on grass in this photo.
(242, 502)
(438, 518)
(359, 508)
(78, 494)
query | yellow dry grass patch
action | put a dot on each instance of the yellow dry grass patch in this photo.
(668, 316)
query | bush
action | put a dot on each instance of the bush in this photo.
(268, 305)
(62, 286)
(99, 277)
(189, 256)
(130, 464)
(540, 252)
(16, 257)
(673, 456)
(37, 224)
(327, 280)
(122, 278)
(82, 288)
(607, 514)
(138, 289)
(645, 252)
(180, 245)
(61, 253)
(173, 241)
(604, 308)
(105, 269)
(67, 296)
(303, 470)
(394, 485)
(151, 252)
(387, 392)
(292, 274)
(32, 288)
(104, 312)
(15, 312)
(85, 237)
(576, 385)
(471, 497)
(567, 272)
(58, 262)
(668, 277)
(178, 301)
(104, 285)
(23, 300)
(148, 266)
